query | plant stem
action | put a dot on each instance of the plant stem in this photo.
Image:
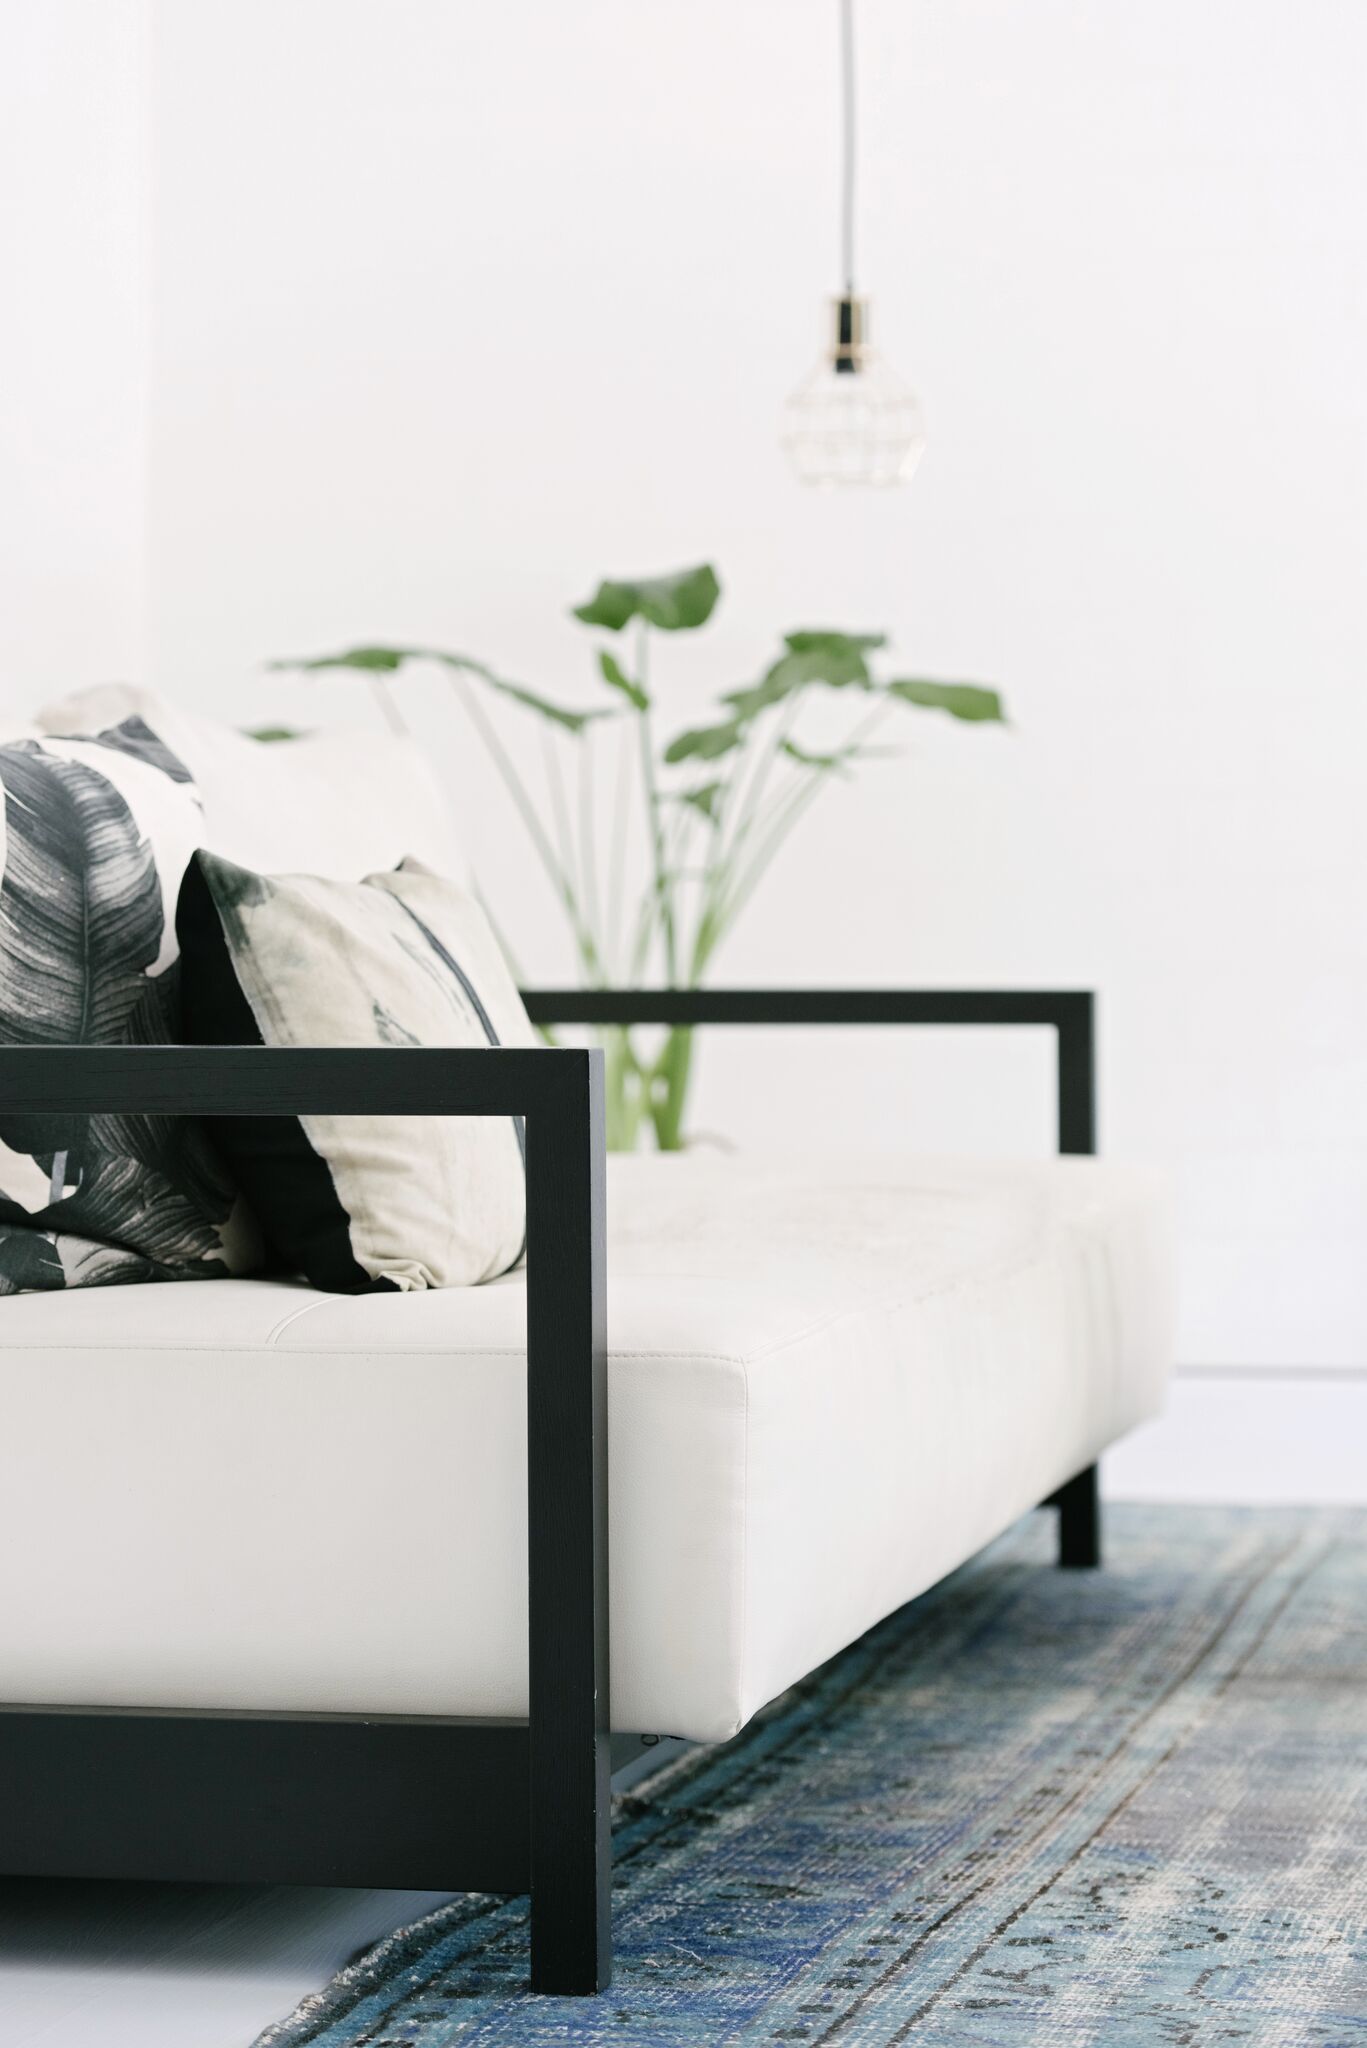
(640, 943)
(560, 811)
(512, 782)
(780, 818)
(767, 755)
(393, 717)
(588, 842)
(669, 1088)
(785, 814)
(619, 843)
(663, 890)
(719, 867)
(624, 1097)
(741, 880)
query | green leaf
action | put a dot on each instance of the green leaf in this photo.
(385, 660)
(705, 799)
(780, 682)
(616, 675)
(833, 659)
(706, 742)
(377, 659)
(272, 732)
(675, 604)
(836, 760)
(836, 659)
(968, 701)
(834, 643)
(571, 721)
(558, 714)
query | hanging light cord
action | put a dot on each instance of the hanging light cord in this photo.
(847, 168)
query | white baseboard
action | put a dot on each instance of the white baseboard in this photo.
(1256, 1437)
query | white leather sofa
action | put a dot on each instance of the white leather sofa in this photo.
(250, 1505)
(830, 1381)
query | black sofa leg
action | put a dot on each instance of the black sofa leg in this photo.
(572, 1886)
(1079, 1521)
(567, 1547)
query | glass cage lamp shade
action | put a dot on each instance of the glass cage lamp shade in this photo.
(853, 420)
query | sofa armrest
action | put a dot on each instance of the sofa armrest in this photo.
(560, 1093)
(1070, 1012)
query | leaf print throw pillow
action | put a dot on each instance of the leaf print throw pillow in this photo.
(404, 958)
(94, 836)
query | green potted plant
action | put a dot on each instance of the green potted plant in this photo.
(717, 801)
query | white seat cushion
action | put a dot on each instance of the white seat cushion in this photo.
(831, 1381)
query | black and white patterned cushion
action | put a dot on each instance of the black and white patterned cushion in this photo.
(97, 831)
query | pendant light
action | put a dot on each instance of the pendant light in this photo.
(853, 421)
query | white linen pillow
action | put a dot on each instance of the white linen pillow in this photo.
(402, 958)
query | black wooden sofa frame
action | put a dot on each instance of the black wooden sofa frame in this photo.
(424, 1801)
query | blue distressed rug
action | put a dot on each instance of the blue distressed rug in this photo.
(1126, 1807)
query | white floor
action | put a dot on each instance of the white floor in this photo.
(173, 1966)
(152, 1966)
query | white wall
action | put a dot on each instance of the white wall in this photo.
(458, 307)
(72, 345)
